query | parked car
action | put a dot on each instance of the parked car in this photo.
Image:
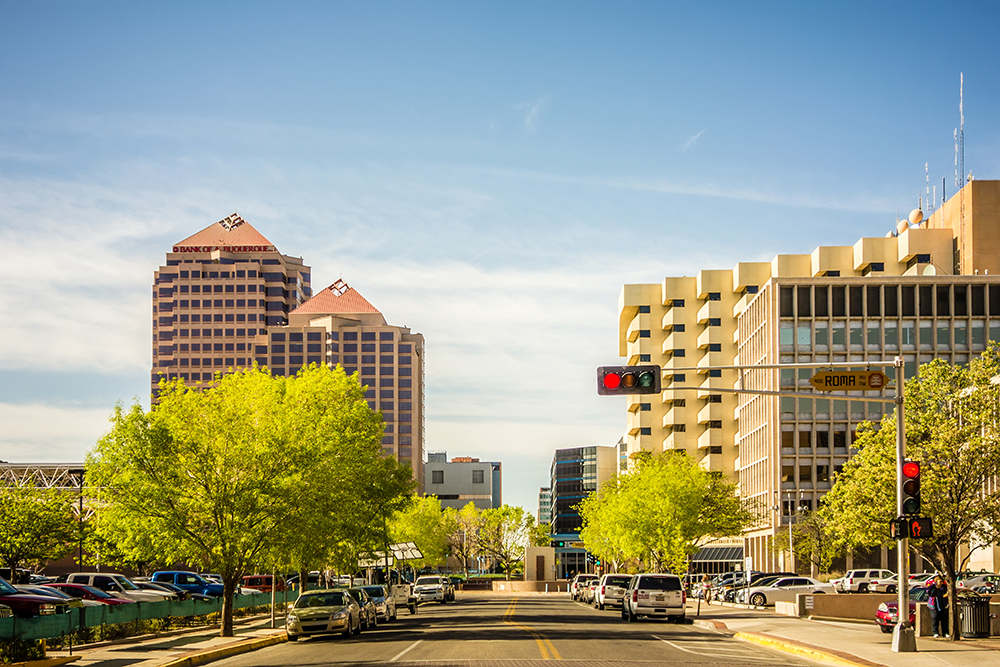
(654, 595)
(5, 611)
(119, 586)
(263, 582)
(385, 605)
(784, 589)
(888, 585)
(858, 581)
(312, 581)
(610, 590)
(163, 586)
(578, 581)
(212, 577)
(90, 593)
(733, 593)
(587, 590)
(24, 605)
(981, 583)
(189, 581)
(323, 612)
(435, 588)
(369, 614)
(73, 602)
(887, 615)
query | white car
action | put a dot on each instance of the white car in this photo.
(785, 589)
(888, 585)
(117, 585)
(857, 581)
(433, 588)
(654, 595)
(611, 589)
(578, 583)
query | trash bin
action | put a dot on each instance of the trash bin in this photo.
(975, 617)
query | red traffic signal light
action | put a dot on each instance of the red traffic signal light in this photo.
(619, 380)
(911, 488)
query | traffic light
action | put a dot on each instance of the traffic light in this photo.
(619, 380)
(920, 527)
(911, 488)
(559, 544)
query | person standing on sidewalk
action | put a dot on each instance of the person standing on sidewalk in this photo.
(937, 605)
(706, 588)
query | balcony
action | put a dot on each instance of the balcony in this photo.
(710, 335)
(742, 304)
(672, 317)
(640, 419)
(711, 412)
(713, 359)
(675, 340)
(639, 346)
(675, 415)
(712, 437)
(640, 321)
(711, 462)
(710, 310)
(675, 441)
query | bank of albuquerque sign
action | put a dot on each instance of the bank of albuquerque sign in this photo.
(224, 248)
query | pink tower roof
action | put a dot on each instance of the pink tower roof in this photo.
(231, 231)
(338, 298)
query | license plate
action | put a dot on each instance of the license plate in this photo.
(659, 598)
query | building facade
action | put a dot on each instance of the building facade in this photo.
(544, 505)
(226, 299)
(928, 289)
(462, 481)
(574, 474)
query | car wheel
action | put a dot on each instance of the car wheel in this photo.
(890, 589)
(632, 618)
(887, 629)
(292, 638)
(375, 621)
(601, 607)
(862, 588)
(758, 600)
(349, 630)
(357, 630)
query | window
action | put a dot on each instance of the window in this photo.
(677, 303)
(714, 322)
(645, 430)
(678, 327)
(642, 358)
(645, 407)
(715, 296)
(477, 477)
(643, 333)
(715, 347)
(679, 353)
(679, 377)
(437, 476)
(643, 309)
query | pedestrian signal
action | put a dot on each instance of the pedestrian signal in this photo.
(619, 380)
(911, 488)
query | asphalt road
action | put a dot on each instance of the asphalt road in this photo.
(481, 629)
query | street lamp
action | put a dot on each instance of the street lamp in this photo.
(792, 509)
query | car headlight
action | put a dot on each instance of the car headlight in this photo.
(292, 618)
(340, 614)
(47, 609)
(883, 607)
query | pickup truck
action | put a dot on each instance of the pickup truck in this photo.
(27, 606)
(189, 581)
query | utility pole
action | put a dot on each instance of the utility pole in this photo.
(903, 638)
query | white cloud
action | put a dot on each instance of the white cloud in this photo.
(44, 433)
(531, 110)
(691, 141)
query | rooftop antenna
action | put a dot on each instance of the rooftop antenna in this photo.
(927, 182)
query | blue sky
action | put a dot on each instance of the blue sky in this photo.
(488, 174)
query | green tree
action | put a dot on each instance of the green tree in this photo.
(504, 533)
(36, 525)
(424, 523)
(662, 513)
(951, 426)
(229, 478)
(464, 538)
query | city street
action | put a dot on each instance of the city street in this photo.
(528, 629)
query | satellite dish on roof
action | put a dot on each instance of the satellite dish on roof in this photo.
(902, 226)
(916, 215)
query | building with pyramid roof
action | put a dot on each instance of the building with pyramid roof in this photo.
(226, 299)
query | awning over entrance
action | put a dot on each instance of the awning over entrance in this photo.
(727, 554)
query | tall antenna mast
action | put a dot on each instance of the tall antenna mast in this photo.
(961, 114)
(927, 181)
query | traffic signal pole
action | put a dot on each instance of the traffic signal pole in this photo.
(903, 637)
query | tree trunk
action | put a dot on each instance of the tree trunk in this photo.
(228, 593)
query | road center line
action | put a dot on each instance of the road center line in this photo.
(406, 650)
(545, 647)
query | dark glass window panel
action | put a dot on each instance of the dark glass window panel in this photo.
(978, 300)
(787, 295)
(839, 300)
(857, 301)
(804, 296)
(943, 301)
(909, 301)
(891, 300)
(874, 301)
(821, 300)
(961, 301)
(926, 298)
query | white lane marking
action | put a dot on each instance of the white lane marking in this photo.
(713, 653)
(406, 650)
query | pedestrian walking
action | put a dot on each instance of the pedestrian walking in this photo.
(937, 605)
(706, 588)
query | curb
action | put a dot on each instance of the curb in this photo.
(805, 650)
(213, 654)
(48, 662)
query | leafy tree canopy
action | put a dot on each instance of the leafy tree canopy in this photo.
(36, 525)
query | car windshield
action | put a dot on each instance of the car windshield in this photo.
(332, 599)
(6, 588)
(375, 591)
(918, 594)
(766, 581)
(659, 584)
(125, 583)
(428, 581)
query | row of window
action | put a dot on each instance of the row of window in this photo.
(889, 335)
(437, 477)
(225, 261)
(889, 300)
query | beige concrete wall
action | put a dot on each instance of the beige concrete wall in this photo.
(559, 586)
(548, 572)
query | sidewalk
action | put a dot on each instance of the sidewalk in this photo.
(842, 642)
(183, 648)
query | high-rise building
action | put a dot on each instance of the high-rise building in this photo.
(218, 290)
(574, 474)
(545, 505)
(226, 299)
(928, 289)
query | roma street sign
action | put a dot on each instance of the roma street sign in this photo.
(848, 380)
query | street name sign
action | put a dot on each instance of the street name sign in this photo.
(848, 380)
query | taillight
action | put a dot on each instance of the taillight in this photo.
(635, 595)
(603, 590)
(684, 597)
